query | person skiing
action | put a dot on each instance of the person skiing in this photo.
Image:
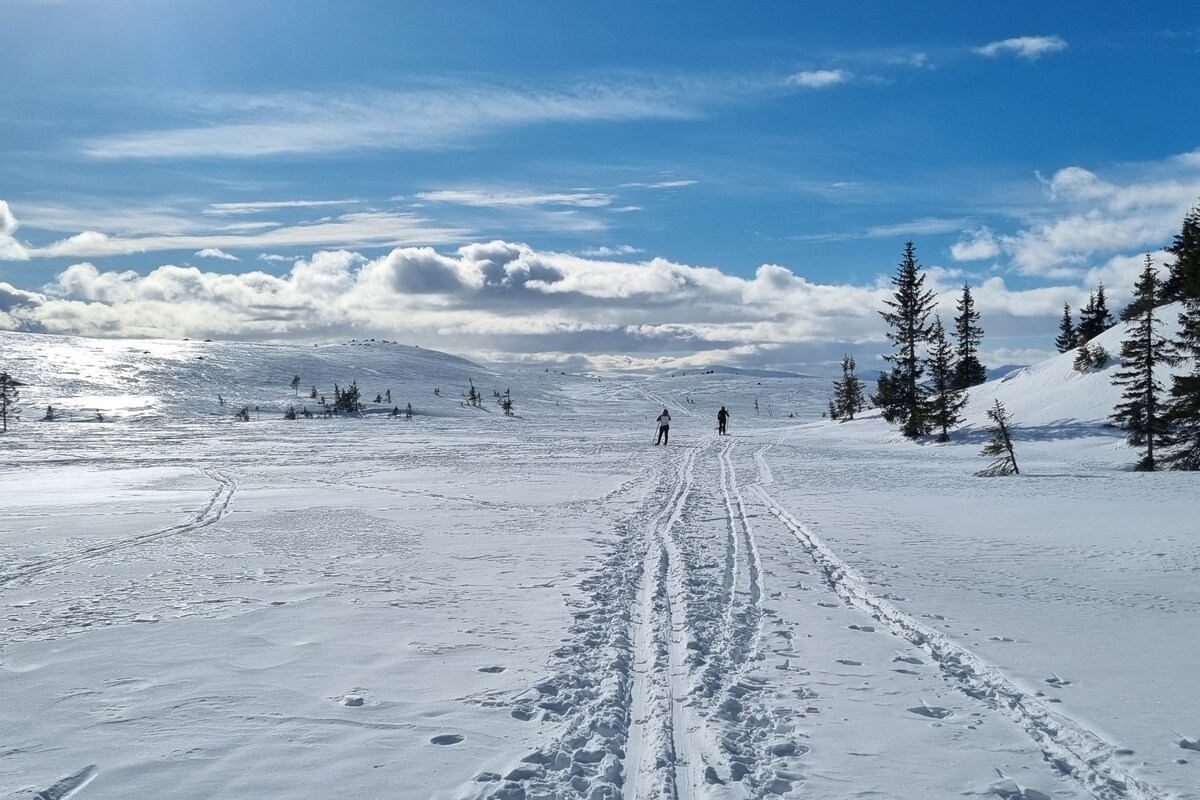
(722, 416)
(664, 427)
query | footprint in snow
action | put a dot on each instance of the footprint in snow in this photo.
(1189, 744)
(1001, 639)
(1055, 680)
(492, 670)
(863, 628)
(849, 663)
(446, 738)
(824, 604)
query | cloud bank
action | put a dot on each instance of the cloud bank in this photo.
(1031, 48)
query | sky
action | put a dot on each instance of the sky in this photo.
(601, 186)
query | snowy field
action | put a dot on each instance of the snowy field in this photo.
(467, 605)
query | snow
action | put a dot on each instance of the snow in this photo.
(469, 605)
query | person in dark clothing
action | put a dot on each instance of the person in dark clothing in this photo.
(722, 415)
(664, 427)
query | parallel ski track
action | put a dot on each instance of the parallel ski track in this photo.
(1068, 746)
(658, 758)
(212, 511)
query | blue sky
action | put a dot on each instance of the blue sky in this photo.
(590, 184)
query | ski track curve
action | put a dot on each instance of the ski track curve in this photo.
(212, 511)
(1069, 747)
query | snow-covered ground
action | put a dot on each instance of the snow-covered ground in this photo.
(467, 605)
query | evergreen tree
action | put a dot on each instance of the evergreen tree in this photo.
(1140, 408)
(901, 396)
(1068, 337)
(969, 371)
(9, 395)
(1094, 318)
(832, 411)
(1183, 274)
(347, 400)
(296, 385)
(1000, 446)
(848, 397)
(946, 399)
(1183, 407)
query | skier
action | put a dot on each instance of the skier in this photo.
(722, 416)
(664, 427)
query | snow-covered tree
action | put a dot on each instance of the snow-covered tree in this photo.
(969, 371)
(946, 399)
(901, 396)
(848, 394)
(1068, 337)
(1000, 446)
(1144, 348)
(1183, 274)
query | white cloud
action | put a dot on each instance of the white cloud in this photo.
(271, 205)
(511, 302)
(352, 230)
(818, 79)
(977, 245)
(1028, 47)
(485, 198)
(251, 126)
(215, 252)
(10, 248)
(273, 258)
(670, 184)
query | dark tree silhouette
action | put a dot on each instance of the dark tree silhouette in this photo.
(1140, 408)
(1183, 274)
(1183, 405)
(1068, 336)
(968, 371)
(848, 393)
(9, 396)
(946, 399)
(901, 395)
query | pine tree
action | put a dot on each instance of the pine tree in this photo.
(969, 371)
(1183, 274)
(1068, 337)
(1140, 408)
(946, 399)
(901, 396)
(9, 395)
(848, 398)
(1094, 318)
(296, 385)
(1183, 407)
(1000, 446)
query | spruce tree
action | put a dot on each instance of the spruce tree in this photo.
(1183, 407)
(1068, 337)
(1183, 274)
(9, 395)
(1140, 408)
(969, 371)
(848, 392)
(1094, 318)
(946, 399)
(1000, 446)
(901, 396)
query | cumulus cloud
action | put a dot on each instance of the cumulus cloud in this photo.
(1028, 47)
(819, 78)
(507, 301)
(1091, 219)
(976, 245)
(216, 252)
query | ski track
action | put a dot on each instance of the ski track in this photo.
(213, 510)
(1069, 747)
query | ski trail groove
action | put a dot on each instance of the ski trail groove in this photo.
(213, 510)
(1068, 746)
(657, 741)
